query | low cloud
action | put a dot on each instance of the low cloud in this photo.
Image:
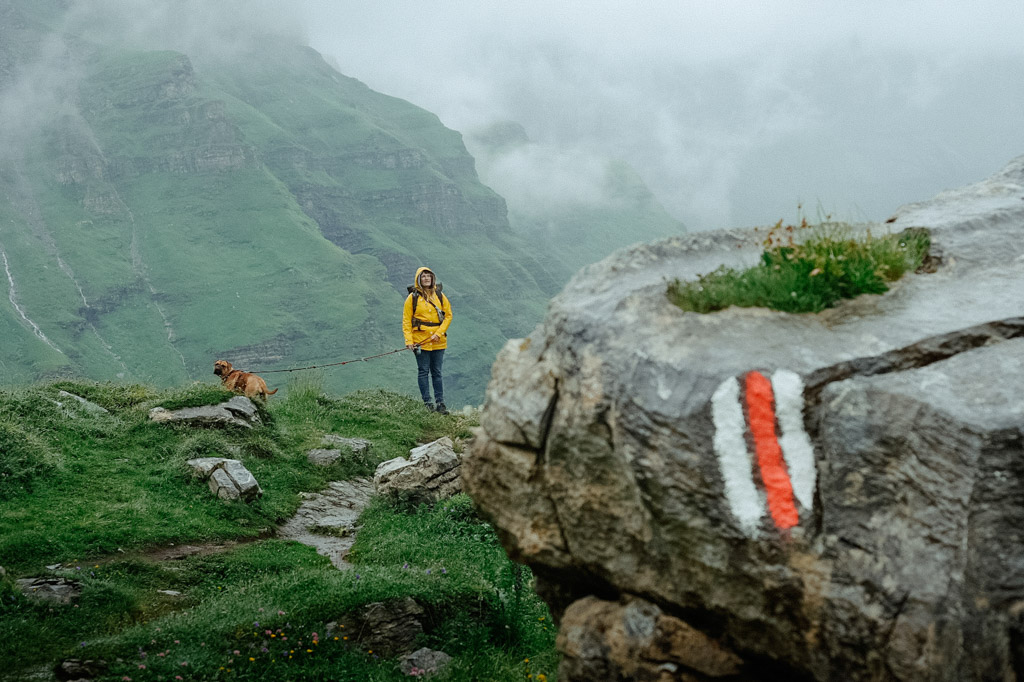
(732, 113)
(198, 28)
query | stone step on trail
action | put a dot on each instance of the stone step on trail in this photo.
(334, 510)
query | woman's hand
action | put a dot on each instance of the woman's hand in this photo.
(410, 346)
(434, 337)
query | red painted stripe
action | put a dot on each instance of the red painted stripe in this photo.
(761, 415)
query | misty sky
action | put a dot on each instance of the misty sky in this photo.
(733, 112)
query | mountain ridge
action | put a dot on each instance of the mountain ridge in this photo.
(161, 210)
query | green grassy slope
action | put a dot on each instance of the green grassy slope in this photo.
(100, 500)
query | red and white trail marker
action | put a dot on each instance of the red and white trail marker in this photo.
(780, 453)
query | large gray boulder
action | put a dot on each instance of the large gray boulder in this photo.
(829, 496)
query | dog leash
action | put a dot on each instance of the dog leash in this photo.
(332, 364)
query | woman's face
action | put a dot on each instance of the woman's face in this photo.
(427, 279)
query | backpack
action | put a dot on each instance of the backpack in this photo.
(417, 323)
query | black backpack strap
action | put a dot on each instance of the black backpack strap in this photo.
(418, 324)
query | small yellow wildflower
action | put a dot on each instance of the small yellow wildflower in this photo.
(309, 651)
(251, 658)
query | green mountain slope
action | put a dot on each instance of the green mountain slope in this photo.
(161, 211)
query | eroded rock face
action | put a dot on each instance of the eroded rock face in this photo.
(830, 496)
(387, 628)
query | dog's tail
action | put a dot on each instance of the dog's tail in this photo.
(272, 392)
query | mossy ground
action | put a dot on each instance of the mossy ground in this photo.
(99, 495)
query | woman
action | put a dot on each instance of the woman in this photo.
(426, 318)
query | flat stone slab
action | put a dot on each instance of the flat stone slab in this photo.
(356, 445)
(323, 457)
(239, 411)
(59, 590)
(333, 512)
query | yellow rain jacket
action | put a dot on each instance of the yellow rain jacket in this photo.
(426, 311)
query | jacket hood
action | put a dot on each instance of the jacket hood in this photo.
(420, 271)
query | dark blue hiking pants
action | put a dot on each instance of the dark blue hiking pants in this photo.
(429, 363)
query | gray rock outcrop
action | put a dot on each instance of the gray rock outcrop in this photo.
(228, 478)
(388, 628)
(431, 473)
(239, 411)
(829, 496)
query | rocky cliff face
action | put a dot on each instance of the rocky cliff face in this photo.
(751, 494)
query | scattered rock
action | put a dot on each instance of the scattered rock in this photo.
(239, 411)
(431, 473)
(228, 478)
(388, 628)
(635, 640)
(81, 405)
(322, 457)
(59, 590)
(358, 446)
(169, 593)
(78, 669)
(423, 662)
(336, 509)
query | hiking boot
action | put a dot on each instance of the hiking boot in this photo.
(429, 406)
(441, 409)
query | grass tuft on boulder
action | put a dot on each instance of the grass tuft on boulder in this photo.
(809, 272)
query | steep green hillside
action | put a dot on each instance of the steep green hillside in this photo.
(159, 211)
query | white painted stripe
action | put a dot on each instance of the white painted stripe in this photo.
(733, 459)
(795, 443)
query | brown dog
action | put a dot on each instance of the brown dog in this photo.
(241, 382)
